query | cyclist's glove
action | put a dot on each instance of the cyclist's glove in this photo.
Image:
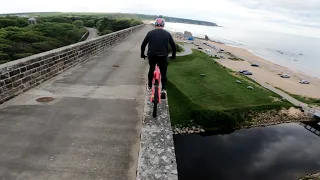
(173, 56)
(142, 55)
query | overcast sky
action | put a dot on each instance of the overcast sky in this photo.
(278, 15)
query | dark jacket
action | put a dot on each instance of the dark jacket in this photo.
(158, 41)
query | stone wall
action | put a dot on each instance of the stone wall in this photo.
(23, 74)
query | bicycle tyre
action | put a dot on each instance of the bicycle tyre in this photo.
(155, 101)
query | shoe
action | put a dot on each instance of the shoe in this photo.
(149, 88)
(163, 94)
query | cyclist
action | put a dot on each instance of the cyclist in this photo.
(158, 40)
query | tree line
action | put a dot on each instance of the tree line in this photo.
(133, 16)
(19, 39)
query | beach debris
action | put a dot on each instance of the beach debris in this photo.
(202, 74)
(249, 87)
(280, 52)
(237, 81)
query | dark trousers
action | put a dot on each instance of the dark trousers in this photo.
(163, 64)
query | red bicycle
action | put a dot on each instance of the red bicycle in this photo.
(156, 94)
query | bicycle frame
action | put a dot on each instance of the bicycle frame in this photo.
(156, 82)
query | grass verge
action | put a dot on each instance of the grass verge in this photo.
(214, 100)
(233, 57)
(215, 57)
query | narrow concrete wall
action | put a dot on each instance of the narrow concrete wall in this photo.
(23, 74)
(157, 160)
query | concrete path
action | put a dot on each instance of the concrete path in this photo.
(90, 131)
(291, 99)
(186, 51)
(93, 33)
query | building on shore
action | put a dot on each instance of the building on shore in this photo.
(187, 34)
(22, 15)
(32, 20)
(179, 35)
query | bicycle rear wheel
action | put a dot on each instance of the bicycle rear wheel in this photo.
(155, 101)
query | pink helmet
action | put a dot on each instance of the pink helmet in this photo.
(159, 22)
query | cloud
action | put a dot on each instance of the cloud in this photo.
(288, 4)
(295, 12)
(294, 16)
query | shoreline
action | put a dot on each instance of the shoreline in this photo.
(293, 69)
(267, 72)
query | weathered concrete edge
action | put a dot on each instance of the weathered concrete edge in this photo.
(157, 158)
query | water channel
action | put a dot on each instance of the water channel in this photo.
(285, 151)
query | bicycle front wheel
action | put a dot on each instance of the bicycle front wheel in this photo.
(155, 101)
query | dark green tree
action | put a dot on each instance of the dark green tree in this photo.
(120, 24)
(22, 22)
(107, 31)
(90, 23)
(78, 23)
(7, 22)
(135, 23)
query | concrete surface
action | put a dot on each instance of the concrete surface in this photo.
(187, 50)
(91, 130)
(294, 101)
(93, 33)
(157, 160)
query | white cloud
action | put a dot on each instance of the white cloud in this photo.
(294, 16)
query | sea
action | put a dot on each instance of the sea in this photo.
(296, 52)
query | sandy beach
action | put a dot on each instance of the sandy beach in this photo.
(267, 72)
